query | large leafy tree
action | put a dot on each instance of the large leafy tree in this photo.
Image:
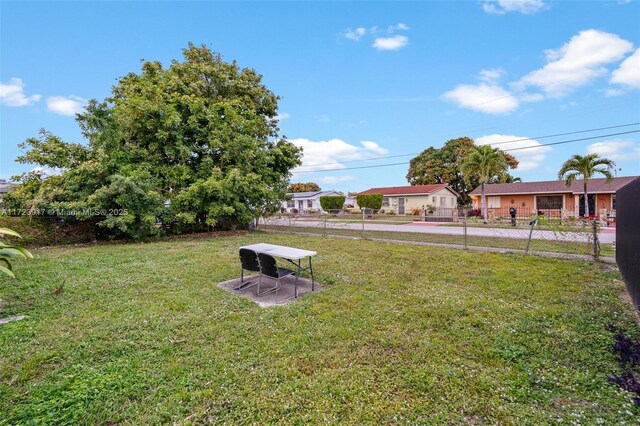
(586, 167)
(303, 187)
(484, 164)
(444, 165)
(192, 145)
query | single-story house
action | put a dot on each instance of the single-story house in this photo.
(403, 199)
(6, 187)
(302, 202)
(551, 197)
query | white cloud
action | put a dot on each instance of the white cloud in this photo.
(397, 27)
(577, 62)
(628, 73)
(68, 106)
(490, 75)
(530, 97)
(356, 34)
(500, 7)
(487, 98)
(12, 94)
(529, 158)
(374, 147)
(43, 171)
(282, 116)
(323, 155)
(390, 43)
(332, 180)
(616, 150)
(611, 93)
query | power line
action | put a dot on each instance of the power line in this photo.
(492, 144)
(505, 150)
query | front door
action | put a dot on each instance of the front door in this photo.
(592, 205)
(400, 205)
(300, 206)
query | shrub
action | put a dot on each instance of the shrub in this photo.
(474, 213)
(294, 210)
(332, 202)
(39, 231)
(415, 211)
(369, 201)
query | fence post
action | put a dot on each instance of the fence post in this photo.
(596, 240)
(363, 213)
(533, 223)
(464, 226)
(326, 217)
(290, 227)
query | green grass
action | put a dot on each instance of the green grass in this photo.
(141, 334)
(553, 246)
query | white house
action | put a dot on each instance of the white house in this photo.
(304, 201)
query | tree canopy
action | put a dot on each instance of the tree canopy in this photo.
(188, 146)
(444, 165)
(303, 187)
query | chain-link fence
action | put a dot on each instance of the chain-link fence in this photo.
(456, 227)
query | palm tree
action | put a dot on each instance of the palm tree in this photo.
(586, 167)
(486, 164)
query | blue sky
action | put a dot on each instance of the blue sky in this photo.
(358, 80)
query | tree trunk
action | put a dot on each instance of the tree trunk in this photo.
(586, 200)
(483, 203)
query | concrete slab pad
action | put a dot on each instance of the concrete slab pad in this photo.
(286, 293)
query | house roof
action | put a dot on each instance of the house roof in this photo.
(6, 187)
(311, 194)
(408, 190)
(599, 185)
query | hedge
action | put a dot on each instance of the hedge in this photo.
(369, 201)
(38, 231)
(332, 202)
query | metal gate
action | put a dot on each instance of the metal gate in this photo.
(628, 237)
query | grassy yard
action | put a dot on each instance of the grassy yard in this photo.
(554, 246)
(141, 334)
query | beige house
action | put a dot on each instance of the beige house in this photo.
(403, 199)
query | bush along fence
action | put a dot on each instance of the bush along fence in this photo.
(455, 227)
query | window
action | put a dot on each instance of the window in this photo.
(433, 200)
(309, 204)
(549, 202)
(291, 204)
(443, 201)
(453, 202)
(385, 201)
(493, 202)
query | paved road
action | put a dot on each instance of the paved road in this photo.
(606, 236)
